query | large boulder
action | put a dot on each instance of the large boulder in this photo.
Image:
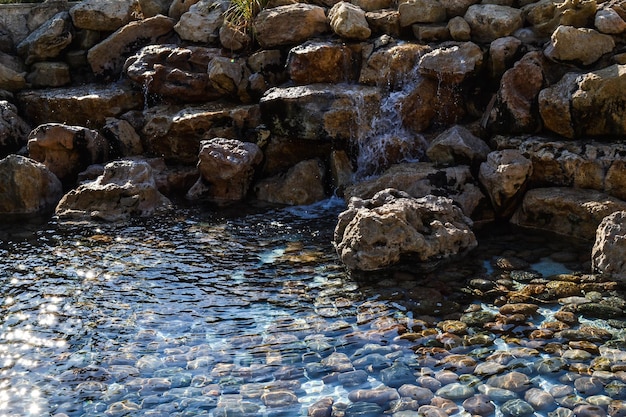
(571, 212)
(48, 40)
(202, 22)
(127, 188)
(302, 184)
(457, 146)
(389, 64)
(105, 16)
(290, 24)
(607, 255)
(322, 62)
(226, 170)
(578, 45)
(348, 21)
(452, 64)
(13, 129)
(492, 21)
(107, 57)
(27, 187)
(393, 226)
(589, 104)
(544, 16)
(67, 150)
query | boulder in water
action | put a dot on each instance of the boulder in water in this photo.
(301, 184)
(609, 248)
(380, 232)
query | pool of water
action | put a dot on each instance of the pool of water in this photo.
(203, 313)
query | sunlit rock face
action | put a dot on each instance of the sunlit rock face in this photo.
(381, 231)
(301, 184)
(48, 40)
(289, 25)
(126, 189)
(27, 187)
(610, 246)
(106, 16)
(322, 62)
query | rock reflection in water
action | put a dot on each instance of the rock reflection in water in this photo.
(251, 314)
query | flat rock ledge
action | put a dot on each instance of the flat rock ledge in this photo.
(376, 233)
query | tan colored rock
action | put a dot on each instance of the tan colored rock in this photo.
(582, 45)
(48, 41)
(459, 29)
(126, 189)
(122, 137)
(431, 32)
(289, 25)
(505, 176)
(607, 255)
(300, 185)
(13, 129)
(348, 21)
(610, 22)
(546, 15)
(373, 5)
(503, 53)
(283, 153)
(452, 64)
(571, 212)
(392, 226)
(180, 7)
(457, 7)
(491, 21)
(67, 150)
(49, 74)
(457, 146)
(107, 58)
(554, 106)
(10, 79)
(321, 62)
(384, 22)
(27, 187)
(202, 22)
(226, 170)
(105, 16)
(151, 8)
(226, 75)
(341, 170)
(232, 38)
(87, 105)
(421, 11)
(389, 64)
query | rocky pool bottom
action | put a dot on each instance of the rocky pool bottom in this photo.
(249, 313)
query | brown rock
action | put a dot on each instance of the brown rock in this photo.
(579, 45)
(290, 24)
(105, 16)
(322, 62)
(491, 21)
(389, 64)
(13, 130)
(610, 246)
(48, 40)
(302, 184)
(452, 64)
(348, 21)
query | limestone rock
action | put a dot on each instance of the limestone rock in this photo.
(321, 62)
(179, 7)
(610, 22)
(232, 38)
(389, 64)
(583, 45)
(571, 212)
(48, 40)
(491, 21)
(373, 5)
(127, 188)
(302, 184)
(320, 111)
(13, 130)
(122, 137)
(67, 150)
(421, 11)
(27, 187)
(384, 22)
(86, 105)
(107, 58)
(608, 251)
(456, 8)
(391, 226)
(348, 21)
(457, 146)
(546, 15)
(226, 167)
(505, 176)
(106, 16)
(503, 52)
(515, 109)
(459, 29)
(227, 75)
(12, 73)
(175, 132)
(341, 170)
(283, 153)
(431, 32)
(151, 8)
(49, 74)
(202, 22)
(290, 24)
(586, 105)
(452, 64)
(419, 179)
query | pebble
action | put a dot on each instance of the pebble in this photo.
(587, 385)
(397, 375)
(479, 404)
(587, 410)
(431, 411)
(379, 396)
(497, 395)
(420, 394)
(513, 381)
(455, 391)
(517, 408)
(539, 399)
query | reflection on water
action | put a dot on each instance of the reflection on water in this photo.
(220, 315)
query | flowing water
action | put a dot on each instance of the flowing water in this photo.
(226, 314)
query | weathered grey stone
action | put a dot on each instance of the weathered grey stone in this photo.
(106, 16)
(180, 7)
(127, 188)
(232, 38)
(379, 232)
(202, 22)
(49, 74)
(457, 145)
(301, 184)
(27, 187)
(321, 62)
(348, 21)
(13, 130)
(608, 251)
(48, 40)
(567, 211)
(583, 45)
(609, 21)
(289, 24)
(452, 64)
(491, 21)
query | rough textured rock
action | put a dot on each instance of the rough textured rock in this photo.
(590, 104)
(202, 22)
(150, 8)
(67, 150)
(13, 130)
(384, 22)
(12, 72)
(283, 153)
(421, 11)
(301, 184)
(567, 211)
(122, 137)
(452, 64)
(348, 21)
(232, 38)
(322, 62)
(457, 145)
(226, 168)
(380, 232)
(126, 189)
(179, 7)
(581, 45)
(389, 64)
(106, 16)
(86, 105)
(459, 29)
(609, 21)
(546, 15)
(491, 21)
(107, 57)
(420, 179)
(48, 40)
(505, 176)
(608, 251)
(27, 187)
(174, 132)
(289, 24)
(503, 53)
(49, 74)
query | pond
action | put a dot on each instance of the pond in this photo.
(248, 312)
